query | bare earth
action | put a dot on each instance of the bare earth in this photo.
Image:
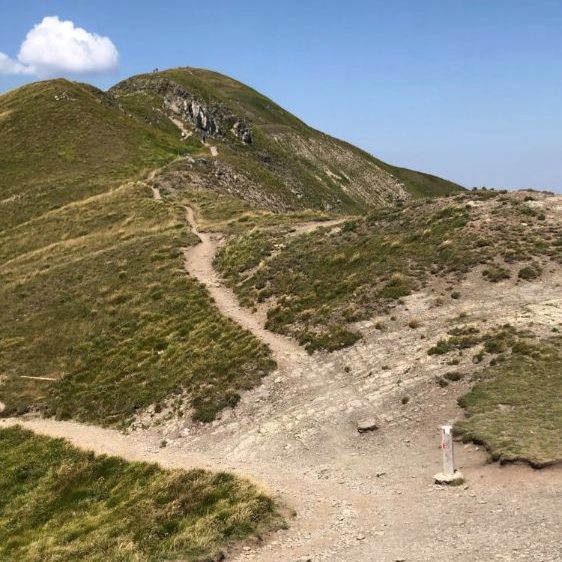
(364, 497)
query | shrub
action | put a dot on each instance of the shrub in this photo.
(440, 348)
(496, 274)
(395, 289)
(453, 376)
(530, 272)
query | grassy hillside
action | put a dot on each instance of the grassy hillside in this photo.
(100, 320)
(321, 283)
(420, 184)
(59, 503)
(96, 298)
(514, 409)
(61, 142)
(291, 165)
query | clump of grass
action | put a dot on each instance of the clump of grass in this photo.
(530, 272)
(444, 346)
(394, 289)
(495, 274)
(514, 408)
(453, 376)
(463, 331)
(465, 337)
(59, 503)
(414, 323)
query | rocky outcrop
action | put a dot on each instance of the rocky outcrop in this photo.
(209, 119)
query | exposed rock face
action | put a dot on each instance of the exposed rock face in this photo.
(210, 119)
(216, 175)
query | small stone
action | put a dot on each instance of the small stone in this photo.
(367, 424)
(455, 479)
(360, 537)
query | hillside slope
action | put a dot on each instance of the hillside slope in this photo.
(270, 156)
(61, 142)
(60, 503)
(99, 320)
(120, 213)
(321, 284)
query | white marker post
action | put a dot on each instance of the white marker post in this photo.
(449, 475)
(448, 451)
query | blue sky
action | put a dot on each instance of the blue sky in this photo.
(469, 90)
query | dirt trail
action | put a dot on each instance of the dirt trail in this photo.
(362, 496)
(199, 263)
(185, 132)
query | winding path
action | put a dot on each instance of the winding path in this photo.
(358, 497)
(199, 263)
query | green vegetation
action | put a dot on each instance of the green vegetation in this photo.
(97, 299)
(530, 272)
(58, 503)
(514, 409)
(496, 341)
(496, 273)
(288, 165)
(62, 142)
(322, 282)
(420, 184)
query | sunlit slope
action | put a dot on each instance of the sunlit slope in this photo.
(61, 141)
(292, 164)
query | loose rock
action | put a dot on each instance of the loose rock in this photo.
(367, 424)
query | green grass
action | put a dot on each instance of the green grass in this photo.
(322, 282)
(53, 152)
(514, 409)
(290, 165)
(102, 304)
(91, 269)
(58, 503)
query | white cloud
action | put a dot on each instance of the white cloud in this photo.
(9, 66)
(54, 47)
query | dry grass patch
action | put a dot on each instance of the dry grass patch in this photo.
(323, 282)
(59, 503)
(514, 409)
